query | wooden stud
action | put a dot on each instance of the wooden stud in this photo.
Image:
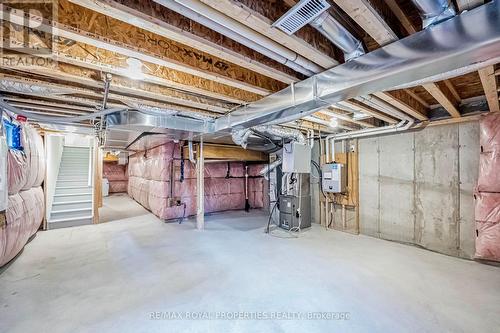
(489, 82)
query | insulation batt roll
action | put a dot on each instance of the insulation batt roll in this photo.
(14, 234)
(40, 153)
(487, 212)
(489, 132)
(28, 142)
(17, 170)
(118, 186)
(489, 172)
(150, 176)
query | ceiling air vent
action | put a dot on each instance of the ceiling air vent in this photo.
(300, 15)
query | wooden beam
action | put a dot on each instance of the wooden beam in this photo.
(260, 23)
(228, 153)
(146, 48)
(368, 110)
(468, 4)
(405, 103)
(146, 15)
(489, 82)
(362, 12)
(443, 97)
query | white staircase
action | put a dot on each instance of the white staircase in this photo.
(72, 203)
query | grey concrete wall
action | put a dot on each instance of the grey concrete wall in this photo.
(416, 187)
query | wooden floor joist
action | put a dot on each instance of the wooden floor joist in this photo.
(369, 19)
(263, 25)
(403, 101)
(41, 88)
(90, 57)
(444, 97)
(345, 116)
(145, 15)
(368, 110)
(90, 78)
(157, 52)
(489, 82)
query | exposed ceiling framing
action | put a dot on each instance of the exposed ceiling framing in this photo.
(187, 66)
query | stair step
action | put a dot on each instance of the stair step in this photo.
(72, 194)
(70, 223)
(72, 197)
(71, 219)
(71, 210)
(73, 190)
(71, 213)
(70, 182)
(72, 204)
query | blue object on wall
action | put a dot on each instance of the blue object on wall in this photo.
(13, 133)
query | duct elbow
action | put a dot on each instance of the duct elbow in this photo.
(434, 11)
(338, 35)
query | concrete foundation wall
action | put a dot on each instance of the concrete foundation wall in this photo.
(417, 187)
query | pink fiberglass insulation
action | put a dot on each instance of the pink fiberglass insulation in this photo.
(114, 171)
(224, 183)
(118, 186)
(487, 211)
(489, 172)
(117, 176)
(13, 234)
(35, 156)
(487, 197)
(489, 132)
(24, 215)
(17, 170)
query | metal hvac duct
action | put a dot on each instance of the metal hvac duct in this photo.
(240, 137)
(338, 35)
(462, 44)
(434, 11)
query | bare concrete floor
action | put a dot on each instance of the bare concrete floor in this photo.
(112, 277)
(119, 206)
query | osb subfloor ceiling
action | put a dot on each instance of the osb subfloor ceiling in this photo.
(58, 65)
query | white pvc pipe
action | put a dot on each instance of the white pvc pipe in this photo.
(215, 20)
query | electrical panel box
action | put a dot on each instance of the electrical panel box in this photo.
(334, 178)
(296, 158)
